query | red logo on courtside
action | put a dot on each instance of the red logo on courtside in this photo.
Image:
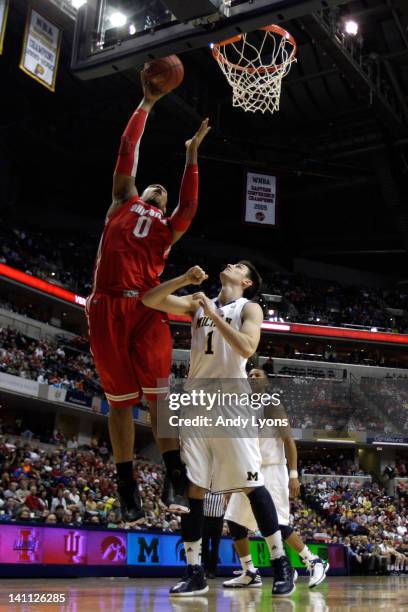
(27, 545)
(74, 547)
(113, 549)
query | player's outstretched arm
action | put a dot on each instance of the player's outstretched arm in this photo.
(188, 199)
(161, 298)
(244, 341)
(124, 187)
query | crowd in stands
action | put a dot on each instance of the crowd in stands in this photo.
(329, 303)
(54, 362)
(390, 396)
(64, 261)
(328, 465)
(327, 405)
(68, 485)
(372, 525)
(69, 262)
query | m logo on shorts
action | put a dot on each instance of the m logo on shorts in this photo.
(252, 476)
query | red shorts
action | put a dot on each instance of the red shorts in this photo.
(131, 346)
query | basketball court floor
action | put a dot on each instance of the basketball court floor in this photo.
(337, 594)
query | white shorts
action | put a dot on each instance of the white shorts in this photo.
(223, 464)
(276, 479)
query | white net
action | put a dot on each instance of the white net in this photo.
(254, 66)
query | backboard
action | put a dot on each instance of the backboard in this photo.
(114, 35)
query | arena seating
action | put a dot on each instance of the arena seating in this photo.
(62, 484)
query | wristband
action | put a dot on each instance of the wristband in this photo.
(293, 474)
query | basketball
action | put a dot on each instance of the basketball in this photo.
(165, 73)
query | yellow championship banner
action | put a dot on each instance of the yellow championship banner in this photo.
(4, 5)
(41, 49)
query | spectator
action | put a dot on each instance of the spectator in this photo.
(22, 492)
(51, 519)
(72, 442)
(33, 502)
(59, 500)
(24, 514)
(60, 513)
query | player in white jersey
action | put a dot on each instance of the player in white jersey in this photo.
(225, 333)
(240, 518)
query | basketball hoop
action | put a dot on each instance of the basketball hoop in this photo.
(254, 65)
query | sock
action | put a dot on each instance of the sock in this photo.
(307, 555)
(192, 531)
(193, 552)
(176, 470)
(246, 563)
(125, 473)
(275, 545)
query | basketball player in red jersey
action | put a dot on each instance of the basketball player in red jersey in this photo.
(131, 344)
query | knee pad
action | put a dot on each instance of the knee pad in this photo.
(286, 531)
(237, 532)
(264, 511)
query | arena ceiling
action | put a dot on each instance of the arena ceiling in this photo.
(338, 144)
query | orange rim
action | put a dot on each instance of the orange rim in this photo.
(270, 28)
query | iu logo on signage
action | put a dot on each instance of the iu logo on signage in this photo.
(74, 547)
(113, 549)
(27, 545)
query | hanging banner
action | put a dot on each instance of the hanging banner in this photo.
(260, 199)
(41, 49)
(4, 5)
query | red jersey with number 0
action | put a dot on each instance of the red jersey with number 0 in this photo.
(134, 246)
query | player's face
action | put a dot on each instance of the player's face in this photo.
(156, 195)
(258, 380)
(236, 274)
(257, 373)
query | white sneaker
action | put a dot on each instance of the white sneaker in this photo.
(246, 580)
(317, 569)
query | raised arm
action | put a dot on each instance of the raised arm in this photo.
(188, 199)
(124, 187)
(244, 341)
(161, 298)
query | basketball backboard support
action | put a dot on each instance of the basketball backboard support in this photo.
(114, 35)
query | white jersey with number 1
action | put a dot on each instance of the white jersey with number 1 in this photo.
(225, 463)
(211, 356)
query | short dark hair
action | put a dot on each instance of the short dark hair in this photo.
(255, 277)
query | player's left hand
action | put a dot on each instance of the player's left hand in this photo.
(207, 305)
(294, 487)
(199, 136)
